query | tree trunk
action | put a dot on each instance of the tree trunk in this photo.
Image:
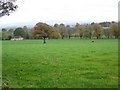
(97, 37)
(80, 37)
(62, 36)
(44, 40)
(69, 36)
(90, 36)
(116, 37)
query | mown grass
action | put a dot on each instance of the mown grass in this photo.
(64, 63)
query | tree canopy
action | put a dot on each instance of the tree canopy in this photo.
(98, 30)
(42, 30)
(19, 32)
(7, 7)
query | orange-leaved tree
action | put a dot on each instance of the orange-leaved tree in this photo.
(42, 31)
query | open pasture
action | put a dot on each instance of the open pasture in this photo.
(67, 63)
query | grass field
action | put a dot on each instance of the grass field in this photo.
(60, 63)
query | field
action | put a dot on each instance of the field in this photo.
(68, 63)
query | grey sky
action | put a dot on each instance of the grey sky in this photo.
(66, 11)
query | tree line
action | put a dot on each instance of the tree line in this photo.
(43, 31)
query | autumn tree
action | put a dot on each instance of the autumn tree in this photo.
(4, 34)
(86, 32)
(114, 30)
(90, 31)
(107, 32)
(98, 30)
(10, 32)
(80, 29)
(62, 30)
(27, 32)
(30, 33)
(69, 31)
(42, 30)
(56, 25)
(55, 35)
(7, 7)
(57, 31)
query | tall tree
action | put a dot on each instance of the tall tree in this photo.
(107, 32)
(5, 35)
(57, 28)
(42, 30)
(4, 30)
(114, 30)
(56, 25)
(19, 32)
(90, 31)
(26, 32)
(69, 31)
(80, 29)
(10, 31)
(98, 30)
(62, 30)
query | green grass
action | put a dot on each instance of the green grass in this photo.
(64, 63)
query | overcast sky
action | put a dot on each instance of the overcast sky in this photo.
(66, 11)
